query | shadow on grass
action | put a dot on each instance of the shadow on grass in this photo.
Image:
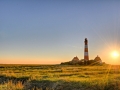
(5, 79)
(61, 84)
(52, 85)
(39, 85)
(70, 85)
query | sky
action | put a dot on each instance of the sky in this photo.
(53, 31)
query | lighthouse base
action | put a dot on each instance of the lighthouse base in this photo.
(86, 62)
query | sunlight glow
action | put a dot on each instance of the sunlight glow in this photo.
(115, 54)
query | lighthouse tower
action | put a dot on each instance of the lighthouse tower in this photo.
(86, 56)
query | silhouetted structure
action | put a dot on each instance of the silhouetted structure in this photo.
(98, 59)
(85, 61)
(75, 59)
(86, 56)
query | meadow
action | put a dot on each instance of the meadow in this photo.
(59, 77)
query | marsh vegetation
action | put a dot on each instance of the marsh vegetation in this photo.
(59, 77)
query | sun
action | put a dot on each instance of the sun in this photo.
(115, 54)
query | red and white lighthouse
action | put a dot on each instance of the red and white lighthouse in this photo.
(86, 55)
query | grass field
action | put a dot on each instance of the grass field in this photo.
(59, 77)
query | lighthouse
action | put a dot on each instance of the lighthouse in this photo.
(86, 55)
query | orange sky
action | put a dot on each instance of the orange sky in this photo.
(51, 32)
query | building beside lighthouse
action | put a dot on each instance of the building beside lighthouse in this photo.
(85, 61)
(98, 59)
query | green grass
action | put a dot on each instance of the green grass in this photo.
(59, 77)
